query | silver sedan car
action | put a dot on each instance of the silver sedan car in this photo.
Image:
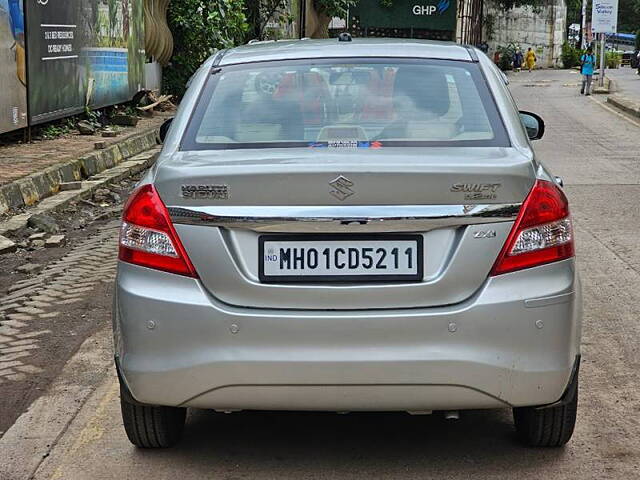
(348, 225)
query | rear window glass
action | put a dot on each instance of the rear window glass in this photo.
(345, 103)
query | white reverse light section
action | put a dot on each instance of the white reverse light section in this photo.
(146, 240)
(543, 236)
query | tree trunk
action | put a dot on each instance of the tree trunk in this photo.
(317, 23)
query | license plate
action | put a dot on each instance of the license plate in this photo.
(346, 258)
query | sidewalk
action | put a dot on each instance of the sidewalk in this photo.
(627, 81)
(34, 171)
(626, 97)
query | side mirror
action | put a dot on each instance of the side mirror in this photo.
(533, 124)
(164, 128)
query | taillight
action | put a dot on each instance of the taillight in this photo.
(541, 234)
(147, 237)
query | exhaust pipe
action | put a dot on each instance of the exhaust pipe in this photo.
(452, 415)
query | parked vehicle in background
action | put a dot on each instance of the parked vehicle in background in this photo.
(348, 225)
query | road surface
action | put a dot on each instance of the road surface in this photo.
(74, 431)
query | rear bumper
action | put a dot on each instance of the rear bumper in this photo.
(485, 352)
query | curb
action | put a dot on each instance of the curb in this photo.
(124, 170)
(625, 104)
(30, 190)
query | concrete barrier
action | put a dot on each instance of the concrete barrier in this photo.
(30, 190)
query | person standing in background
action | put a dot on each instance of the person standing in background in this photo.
(530, 59)
(587, 63)
(518, 59)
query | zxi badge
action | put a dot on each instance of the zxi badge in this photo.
(341, 188)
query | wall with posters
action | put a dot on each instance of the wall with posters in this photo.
(83, 53)
(13, 91)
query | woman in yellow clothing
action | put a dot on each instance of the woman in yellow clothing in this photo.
(530, 59)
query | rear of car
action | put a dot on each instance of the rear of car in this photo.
(346, 228)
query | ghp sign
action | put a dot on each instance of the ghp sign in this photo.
(438, 9)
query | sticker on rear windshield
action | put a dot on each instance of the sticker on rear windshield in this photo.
(346, 144)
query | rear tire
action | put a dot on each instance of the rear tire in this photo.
(548, 427)
(150, 426)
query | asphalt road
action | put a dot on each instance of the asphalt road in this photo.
(74, 431)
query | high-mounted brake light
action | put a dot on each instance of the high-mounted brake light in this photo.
(541, 234)
(147, 237)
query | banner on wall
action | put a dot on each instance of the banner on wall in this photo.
(83, 53)
(13, 74)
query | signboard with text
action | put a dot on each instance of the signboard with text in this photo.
(604, 16)
(13, 69)
(435, 15)
(83, 54)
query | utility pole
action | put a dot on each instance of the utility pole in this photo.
(583, 28)
(603, 54)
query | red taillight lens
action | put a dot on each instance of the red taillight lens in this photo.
(147, 237)
(541, 234)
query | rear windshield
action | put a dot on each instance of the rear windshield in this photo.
(350, 103)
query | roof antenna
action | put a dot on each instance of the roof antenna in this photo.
(345, 37)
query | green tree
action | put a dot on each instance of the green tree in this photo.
(334, 8)
(200, 27)
(260, 12)
(628, 16)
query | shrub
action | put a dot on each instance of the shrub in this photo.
(570, 55)
(506, 52)
(613, 59)
(200, 27)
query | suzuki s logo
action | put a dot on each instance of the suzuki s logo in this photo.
(341, 188)
(440, 8)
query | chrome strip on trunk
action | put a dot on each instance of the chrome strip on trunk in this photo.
(344, 218)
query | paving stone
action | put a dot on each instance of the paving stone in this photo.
(22, 316)
(43, 298)
(55, 241)
(29, 268)
(29, 311)
(4, 365)
(17, 377)
(29, 369)
(33, 334)
(13, 323)
(70, 301)
(49, 293)
(6, 371)
(13, 356)
(5, 339)
(38, 236)
(37, 304)
(7, 330)
(19, 348)
(24, 289)
(49, 315)
(23, 342)
(10, 307)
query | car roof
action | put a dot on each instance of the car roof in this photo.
(332, 48)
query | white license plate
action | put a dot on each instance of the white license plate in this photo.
(306, 258)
